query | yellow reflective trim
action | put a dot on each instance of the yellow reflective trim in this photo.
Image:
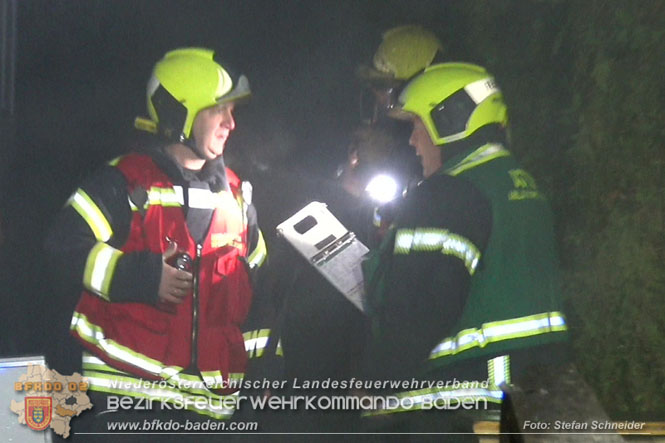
(403, 241)
(90, 266)
(165, 197)
(215, 379)
(135, 208)
(182, 382)
(94, 363)
(93, 216)
(259, 254)
(498, 370)
(237, 376)
(240, 201)
(115, 161)
(189, 383)
(218, 373)
(193, 385)
(145, 124)
(500, 331)
(99, 268)
(541, 316)
(481, 155)
(185, 384)
(132, 206)
(94, 335)
(189, 377)
(525, 195)
(256, 342)
(249, 338)
(437, 240)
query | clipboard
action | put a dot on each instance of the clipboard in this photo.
(329, 247)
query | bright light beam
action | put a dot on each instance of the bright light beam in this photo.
(382, 188)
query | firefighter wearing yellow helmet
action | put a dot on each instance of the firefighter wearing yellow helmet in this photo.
(464, 287)
(161, 244)
(404, 52)
(183, 83)
(379, 163)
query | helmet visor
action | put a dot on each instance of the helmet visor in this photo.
(451, 115)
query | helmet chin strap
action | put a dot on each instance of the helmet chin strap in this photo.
(191, 144)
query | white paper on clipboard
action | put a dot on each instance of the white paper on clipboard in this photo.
(327, 245)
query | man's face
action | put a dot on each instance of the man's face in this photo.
(211, 129)
(428, 152)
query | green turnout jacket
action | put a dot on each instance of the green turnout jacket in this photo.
(469, 272)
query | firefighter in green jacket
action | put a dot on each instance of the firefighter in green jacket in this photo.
(463, 293)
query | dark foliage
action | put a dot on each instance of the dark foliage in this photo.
(584, 82)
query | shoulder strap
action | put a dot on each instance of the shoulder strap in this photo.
(138, 195)
(139, 198)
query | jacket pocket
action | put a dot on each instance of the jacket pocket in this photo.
(231, 291)
(142, 316)
(141, 328)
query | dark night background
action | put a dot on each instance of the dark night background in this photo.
(583, 81)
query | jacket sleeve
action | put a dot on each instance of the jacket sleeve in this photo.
(83, 246)
(425, 270)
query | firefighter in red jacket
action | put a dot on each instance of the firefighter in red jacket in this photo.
(162, 244)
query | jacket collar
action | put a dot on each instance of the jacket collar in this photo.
(213, 172)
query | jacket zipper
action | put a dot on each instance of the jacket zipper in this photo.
(195, 308)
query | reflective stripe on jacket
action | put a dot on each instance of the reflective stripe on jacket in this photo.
(155, 342)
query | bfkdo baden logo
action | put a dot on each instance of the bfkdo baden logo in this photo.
(38, 412)
(51, 399)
